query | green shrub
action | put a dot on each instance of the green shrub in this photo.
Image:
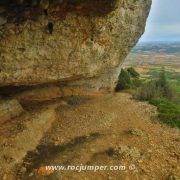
(169, 112)
(133, 73)
(124, 80)
(156, 88)
(137, 82)
(147, 91)
(163, 84)
(128, 78)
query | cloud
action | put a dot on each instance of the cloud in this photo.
(164, 21)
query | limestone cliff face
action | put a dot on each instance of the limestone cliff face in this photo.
(81, 47)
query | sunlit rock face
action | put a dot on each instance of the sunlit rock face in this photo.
(78, 42)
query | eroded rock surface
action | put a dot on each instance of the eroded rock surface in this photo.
(84, 41)
(9, 109)
(14, 148)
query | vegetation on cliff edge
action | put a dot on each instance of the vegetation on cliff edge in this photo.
(160, 90)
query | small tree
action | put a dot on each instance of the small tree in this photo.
(147, 91)
(163, 85)
(133, 72)
(124, 80)
(156, 88)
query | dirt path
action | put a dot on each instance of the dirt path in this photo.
(108, 130)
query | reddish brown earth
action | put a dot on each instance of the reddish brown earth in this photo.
(88, 130)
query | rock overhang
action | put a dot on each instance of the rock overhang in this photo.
(69, 40)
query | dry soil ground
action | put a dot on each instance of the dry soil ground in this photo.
(106, 129)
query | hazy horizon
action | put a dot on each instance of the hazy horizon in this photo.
(163, 24)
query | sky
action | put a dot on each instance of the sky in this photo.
(163, 23)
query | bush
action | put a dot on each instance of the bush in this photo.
(133, 73)
(155, 89)
(137, 82)
(128, 78)
(163, 85)
(124, 80)
(169, 112)
(147, 91)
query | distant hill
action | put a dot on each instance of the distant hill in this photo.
(157, 47)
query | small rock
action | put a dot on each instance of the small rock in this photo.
(126, 151)
(31, 174)
(92, 150)
(5, 177)
(44, 172)
(23, 170)
(114, 136)
(136, 132)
